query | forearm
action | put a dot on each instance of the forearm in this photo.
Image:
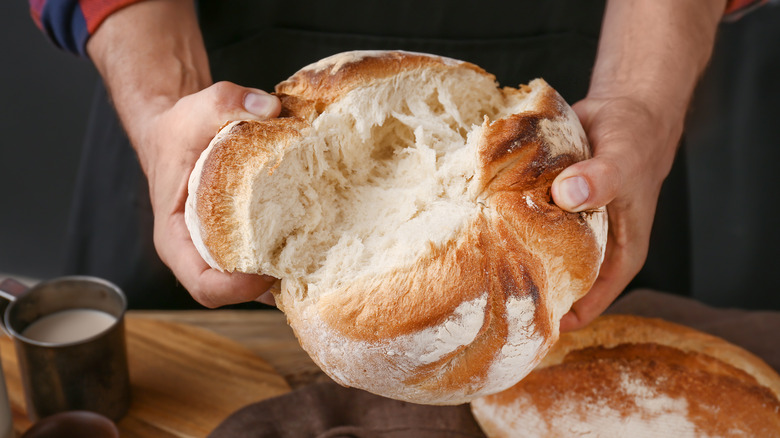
(651, 55)
(150, 54)
(655, 51)
(152, 58)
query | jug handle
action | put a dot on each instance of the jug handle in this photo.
(10, 290)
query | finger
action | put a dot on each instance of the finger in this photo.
(588, 184)
(601, 295)
(624, 256)
(208, 286)
(225, 101)
(234, 102)
(584, 311)
(594, 183)
(267, 298)
(217, 288)
(584, 110)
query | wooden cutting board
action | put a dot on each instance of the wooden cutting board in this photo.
(185, 380)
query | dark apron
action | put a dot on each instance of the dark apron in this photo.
(260, 43)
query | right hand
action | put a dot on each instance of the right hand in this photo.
(154, 63)
(170, 145)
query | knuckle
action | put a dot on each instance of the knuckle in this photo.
(221, 87)
(607, 177)
(224, 95)
(204, 297)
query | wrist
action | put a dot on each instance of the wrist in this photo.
(654, 51)
(150, 54)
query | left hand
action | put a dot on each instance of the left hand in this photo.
(650, 56)
(633, 150)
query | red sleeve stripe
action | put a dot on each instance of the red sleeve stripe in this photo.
(36, 8)
(736, 9)
(95, 11)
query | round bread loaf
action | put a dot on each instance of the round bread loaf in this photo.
(404, 201)
(628, 376)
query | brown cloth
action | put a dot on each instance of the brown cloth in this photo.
(327, 410)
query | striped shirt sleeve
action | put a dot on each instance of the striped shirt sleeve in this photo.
(69, 23)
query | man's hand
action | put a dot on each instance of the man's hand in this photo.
(651, 54)
(177, 137)
(152, 58)
(633, 153)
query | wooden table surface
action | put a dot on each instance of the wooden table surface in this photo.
(195, 369)
(264, 332)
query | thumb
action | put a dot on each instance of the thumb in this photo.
(225, 101)
(261, 105)
(587, 185)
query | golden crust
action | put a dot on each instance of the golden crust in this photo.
(638, 368)
(330, 78)
(611, 330)
(246, 147)
(520, 249)
(489, 261)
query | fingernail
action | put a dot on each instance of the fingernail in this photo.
(574, 192)
(259, 104)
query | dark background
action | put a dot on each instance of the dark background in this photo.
(44, 97)
(732, 151)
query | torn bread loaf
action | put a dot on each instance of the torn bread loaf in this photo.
(404, 201)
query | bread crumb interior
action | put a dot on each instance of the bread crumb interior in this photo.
(384, 174)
